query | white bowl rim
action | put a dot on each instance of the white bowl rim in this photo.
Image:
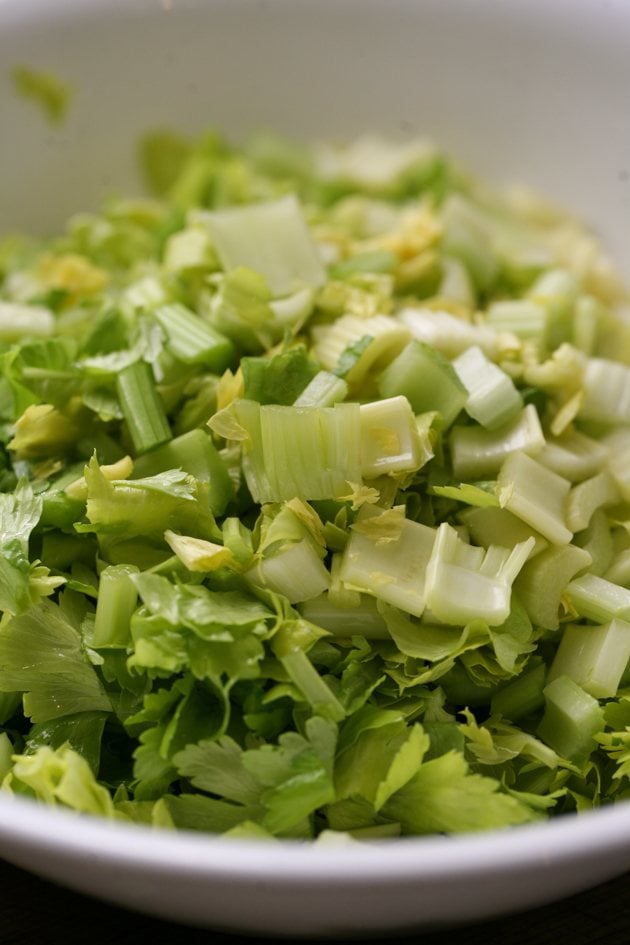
(24, 823)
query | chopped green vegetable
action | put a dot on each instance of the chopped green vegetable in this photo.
(47, 90)
(314, 501)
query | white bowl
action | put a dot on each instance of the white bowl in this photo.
(534, 90)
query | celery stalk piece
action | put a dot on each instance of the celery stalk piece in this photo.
(116, 602)
(464, 582)
(571, 719)
(521, 317)
(543, 581)
(18, 320)
(447, 333)
(598, 492)
(493, 400)
(142, 407)
(339, 594)
(477, 453)
(375, 342)
(390, 568)
(536, 495)
(272, 239)
(466, 236)
(427, 379)
(364, 619)
(618, 444)
(310, 452)
(495, 526)
(188, 250)
(597, 540)
(593, 657)
(574, 455)
(296, 571)
(606, 387)
(324, 390)
(455, 284)
(598, 599)
(618, 571)
(557, 291)
(522, 696)
(192, 340)
(390, 442)
(195, 453)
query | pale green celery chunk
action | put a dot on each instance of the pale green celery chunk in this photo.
(618, 445)
(587, 317)
(593, 657)
(455, 283)
(543, 582)
(310, 452)
(574, 455)
(447, 333)
(117, 600)
(536, 495)
(557, 290)
(587, 497)
(619, 570)
(6, 755)
(572, 718)
(364, 619)
(467, 237)
(189, 249)
(606, 387)
(144, 293)
(297, 571)
(521, 317)
(270, 238)
(597, 540)
(390, 442)
(338, 594)
(477, 453)
(427, 379)
(18, 320)
(491, 525)
(292, 311)
(390, 568)
(493, 400)
(598, 599)
(384, 338)
(324, 390)
(464, 582)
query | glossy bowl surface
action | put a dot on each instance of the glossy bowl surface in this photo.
(532, 90)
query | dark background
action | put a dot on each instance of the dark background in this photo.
(35, 912)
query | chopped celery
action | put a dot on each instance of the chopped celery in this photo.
(536, 495)
(192, 340)
(598, 599)
(593, 657)
(393, 571)
(522, 696)
(389, 438)
(493, 400)
(300, 461)
(270, 238)
(571, 719)
(544, 580)
(195, 453)
(483, 578)
(477, 452)
(449, 334)
(117, 600)
(324, 390)
(427, 379)
(142, 407)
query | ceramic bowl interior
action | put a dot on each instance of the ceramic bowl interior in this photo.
(533, 91)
